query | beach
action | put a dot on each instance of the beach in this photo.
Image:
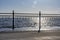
(30, 35)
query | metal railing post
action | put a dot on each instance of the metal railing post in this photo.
(39, 21)
(13, 20)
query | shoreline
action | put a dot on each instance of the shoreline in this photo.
(36, 31)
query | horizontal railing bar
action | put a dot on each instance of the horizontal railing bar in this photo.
(50, 16)
(19, 13)
(30, 13)
(28, 16)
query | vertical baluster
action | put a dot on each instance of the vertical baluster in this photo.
(13, 20)
(39, 21)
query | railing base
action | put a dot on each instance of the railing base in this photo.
(38, 31)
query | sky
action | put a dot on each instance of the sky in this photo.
(30, 6)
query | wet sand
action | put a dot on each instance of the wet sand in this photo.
(30, 35)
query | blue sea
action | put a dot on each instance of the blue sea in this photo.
(30, 24)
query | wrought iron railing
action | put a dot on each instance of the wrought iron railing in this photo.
(19, 20)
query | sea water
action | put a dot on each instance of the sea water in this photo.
(29, 24)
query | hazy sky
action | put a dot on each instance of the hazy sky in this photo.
(45, 6)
